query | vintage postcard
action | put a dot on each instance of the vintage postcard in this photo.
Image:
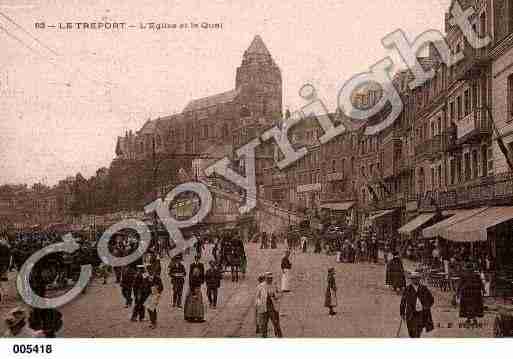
(290, 169)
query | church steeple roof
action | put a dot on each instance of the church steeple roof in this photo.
(257, 47)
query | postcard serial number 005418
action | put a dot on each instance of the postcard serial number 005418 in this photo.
(32, 348)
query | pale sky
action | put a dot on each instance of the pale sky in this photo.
(64, 99)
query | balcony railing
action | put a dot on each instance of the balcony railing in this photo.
(335, 176)
(471, 64)
(486, 191)
(474, 126)
(444, 142)
(338, 196)
(393, 200)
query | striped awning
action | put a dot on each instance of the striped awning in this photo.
(416, 223)
(475, 228)
(438, 229)
(380, 214)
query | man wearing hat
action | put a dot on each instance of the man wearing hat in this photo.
(142, 290)
(127, 280)
(213, 280)
(194, 310)
(395, 273)
(267, 303)
(177, 273)
(415, 308)
(330, 298)
(286, 266)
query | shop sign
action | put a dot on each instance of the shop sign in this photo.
(309, 188)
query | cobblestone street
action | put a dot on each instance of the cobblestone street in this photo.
(366, 307)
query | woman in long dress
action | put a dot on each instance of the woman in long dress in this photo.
(286, 266)
(395, 273)
(330, 298)
(194, 310)
(470, 292)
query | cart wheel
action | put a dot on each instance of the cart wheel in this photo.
(497, 328)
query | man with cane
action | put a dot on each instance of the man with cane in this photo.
(416, 306)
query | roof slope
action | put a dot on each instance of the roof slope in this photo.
(209, 101)
(257, 46)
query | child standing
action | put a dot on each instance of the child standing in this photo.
(151, 304)
(330, 299)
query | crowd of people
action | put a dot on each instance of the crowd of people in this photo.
(141, 283)
(469, 289)
(352, 246)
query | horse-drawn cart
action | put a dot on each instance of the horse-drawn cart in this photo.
(230, 256)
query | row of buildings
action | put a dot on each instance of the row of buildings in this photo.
(22, 206)
(441, 152)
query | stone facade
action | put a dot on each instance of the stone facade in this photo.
(442, 144)
(226, 118)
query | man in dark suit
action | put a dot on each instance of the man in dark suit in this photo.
(416, 306)
(142, 290)
(177, 273)
(213, 280)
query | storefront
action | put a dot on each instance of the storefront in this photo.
(339, 212)
(413, 243)
(412, 229)
(484, 236)
(386, 223)
(309, 195)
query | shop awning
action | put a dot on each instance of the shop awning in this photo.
(414, 224)
(474, 229)
(459, 216)
(380, 214)
(338, 206)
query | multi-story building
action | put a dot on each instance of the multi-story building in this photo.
(443, 152)
(501, 56)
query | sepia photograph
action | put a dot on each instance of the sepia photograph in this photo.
(255, 169)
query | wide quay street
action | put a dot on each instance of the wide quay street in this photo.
(366, 307)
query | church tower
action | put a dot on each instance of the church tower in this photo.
(259, 81)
